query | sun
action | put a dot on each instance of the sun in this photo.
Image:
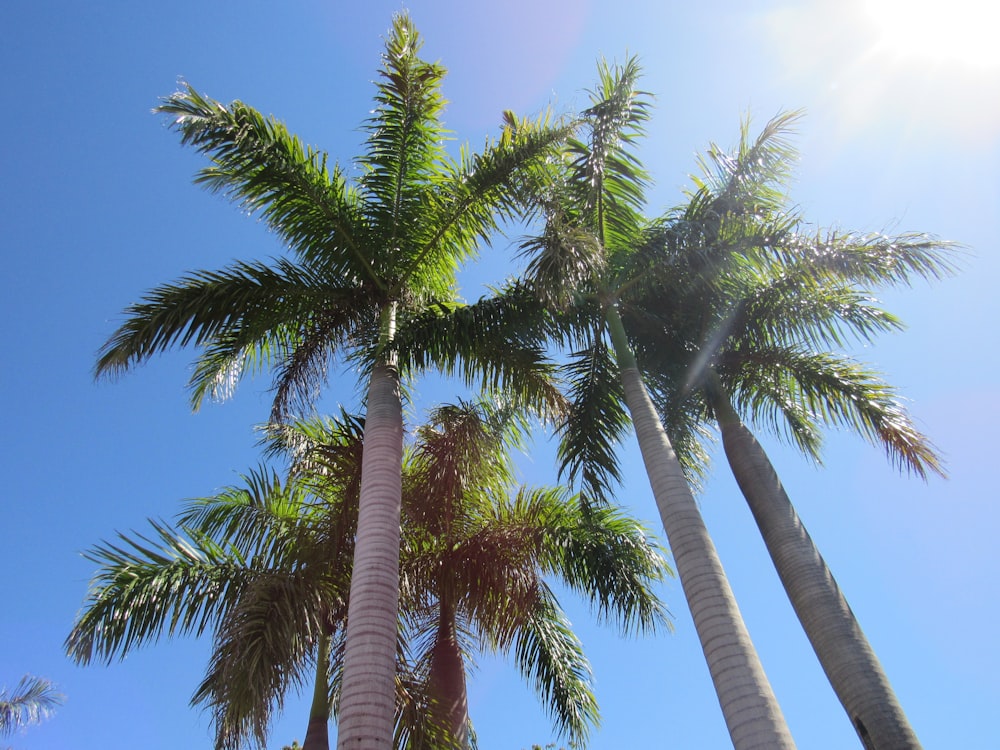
(938, 31)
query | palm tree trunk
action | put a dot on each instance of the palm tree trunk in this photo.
(752, 713)
(318, 732)
(367, 698)
(844, 653)
(446, 684)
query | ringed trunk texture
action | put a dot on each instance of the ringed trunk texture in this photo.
(843, 651)
(367, 699)
(752, 713)
(446, 678)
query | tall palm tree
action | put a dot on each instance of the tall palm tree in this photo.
(743, 329)
(32, 701)
(366, 256)
(266, 566)
(585, 264)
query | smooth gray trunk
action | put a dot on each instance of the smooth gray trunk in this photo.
(753, 716)
(836, 637)
(751, 711)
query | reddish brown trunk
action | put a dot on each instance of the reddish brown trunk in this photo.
(449, 703)
(318, 734)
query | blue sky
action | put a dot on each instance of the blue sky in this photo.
(98, 206)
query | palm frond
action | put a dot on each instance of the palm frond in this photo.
(261, 650)
(551, 657)
(256, 162)
(473, 194)
(32, 701)
(595, 425)
(496, 343)
(872, 260)
(199, 307)
(263, 518)
(748, 179)
(145, 588)
(609, 177)
(835, 390)
(605, 555)
(404, 148)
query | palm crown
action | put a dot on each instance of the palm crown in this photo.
(363, 254)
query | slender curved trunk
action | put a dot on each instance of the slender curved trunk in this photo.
(318, 732)
(752, 713)
(446, 684)
(844, 653)
(367, 698)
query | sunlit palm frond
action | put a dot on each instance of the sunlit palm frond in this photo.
(478, 191)
(168, 585)
(32, 701)
(872, 260)
(404, 152)
(840, 392)
(768, 307)
(200, 307)
(257, 163)
(604, 171)
(496, 343)
(751, 177)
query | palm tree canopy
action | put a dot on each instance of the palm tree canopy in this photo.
(480, 548)
(364, 255)
(734, 279)
(745, 289)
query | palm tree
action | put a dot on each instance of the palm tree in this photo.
(31, 702)
(266, 566)
(477, 550)
(366, 256)
(585, 264)
(743, 329)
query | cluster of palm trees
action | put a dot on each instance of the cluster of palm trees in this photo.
(267, 566)
(729, 310)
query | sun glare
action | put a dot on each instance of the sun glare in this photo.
(962, 31)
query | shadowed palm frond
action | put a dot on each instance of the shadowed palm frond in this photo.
(551, 658)
(609, 558)
(262, 649)
(596, 424)
(497, 343)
